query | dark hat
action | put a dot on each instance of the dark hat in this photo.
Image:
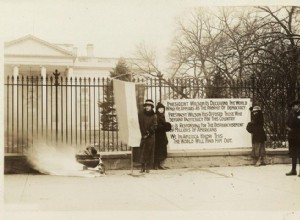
(159, 105)
(256, 108)
(149, 102)
(295, 102)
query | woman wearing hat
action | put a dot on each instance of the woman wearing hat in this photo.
(161, 140)
(293, 128)
(148, 122)
(258, 136)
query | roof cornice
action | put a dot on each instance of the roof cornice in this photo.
(10, 43)
(34, 56)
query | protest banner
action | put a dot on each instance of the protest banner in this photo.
(208, 123)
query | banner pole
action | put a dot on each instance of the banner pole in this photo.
(131, 160)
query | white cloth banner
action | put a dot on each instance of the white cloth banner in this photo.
(208, 123)
(127, 114)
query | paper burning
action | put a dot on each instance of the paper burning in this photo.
(57, 160)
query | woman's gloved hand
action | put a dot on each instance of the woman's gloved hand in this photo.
(146, 135)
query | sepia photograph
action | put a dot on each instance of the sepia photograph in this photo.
(150, 109)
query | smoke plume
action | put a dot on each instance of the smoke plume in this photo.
(57, 160)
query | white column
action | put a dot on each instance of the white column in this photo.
(44, 73)
(44, 88)
(70, 72)
(71, 108)
(15, 115)
(15, 73)
(72, 105)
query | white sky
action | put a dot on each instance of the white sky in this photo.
(115, 27)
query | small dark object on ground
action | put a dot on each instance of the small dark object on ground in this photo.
(90, 159)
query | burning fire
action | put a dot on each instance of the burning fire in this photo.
(57, 160)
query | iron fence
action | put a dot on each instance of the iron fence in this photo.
(69, 111)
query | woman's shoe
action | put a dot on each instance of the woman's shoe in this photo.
(147, 168)
(161, 167)
(258, 163)
(263, 162)
(292, 173)
(142, 168)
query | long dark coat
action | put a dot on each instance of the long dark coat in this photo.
(148, 124)
(293, 123)
(161, 140)
(259, 134)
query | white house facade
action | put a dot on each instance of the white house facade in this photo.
(37, 108)
(32, 56)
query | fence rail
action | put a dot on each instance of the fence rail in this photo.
(60, 110)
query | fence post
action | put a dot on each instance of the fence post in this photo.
(253, 88)
(56, 75)
(159, 75)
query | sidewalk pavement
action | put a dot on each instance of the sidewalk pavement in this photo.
(244, 192)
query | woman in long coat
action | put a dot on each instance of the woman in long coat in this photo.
(161, 140)
(258, 136)
(293, 128)
(148, 122)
